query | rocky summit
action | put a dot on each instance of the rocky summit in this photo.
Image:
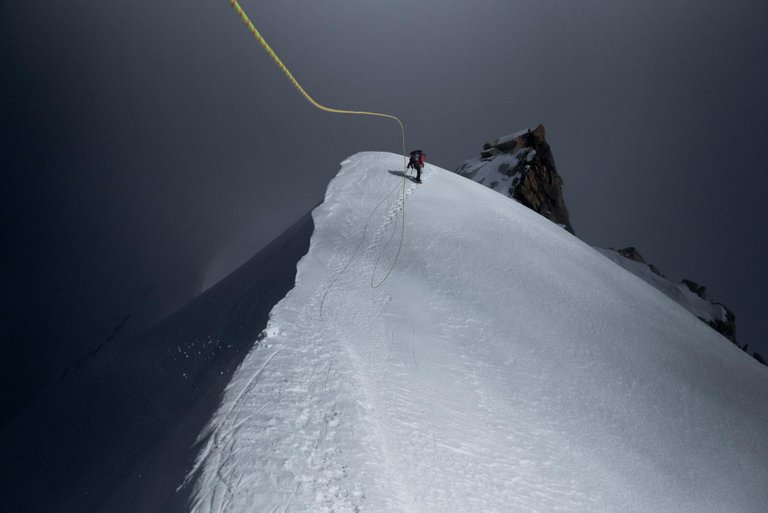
(521, 166)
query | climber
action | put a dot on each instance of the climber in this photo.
(417, 162)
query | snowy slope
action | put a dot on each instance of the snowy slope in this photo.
(115, 434)
(503, 366)
(679, 292)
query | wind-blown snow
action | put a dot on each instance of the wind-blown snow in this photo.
(503, 366)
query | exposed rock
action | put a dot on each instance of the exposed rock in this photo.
(631, 253)
(699, 290)
(688, 293)
(522, 166)
(491, 152)
(726, 326)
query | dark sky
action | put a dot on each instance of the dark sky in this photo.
(146, 143)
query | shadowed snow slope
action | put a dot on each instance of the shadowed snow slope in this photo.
(504, 366)
(116, 433)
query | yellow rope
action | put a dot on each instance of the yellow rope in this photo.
(305, 94)
(295, 82)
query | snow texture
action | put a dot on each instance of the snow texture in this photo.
(504, 366)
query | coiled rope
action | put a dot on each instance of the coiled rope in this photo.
(354, 252)
(256, 34)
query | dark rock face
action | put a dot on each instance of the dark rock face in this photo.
(726, 327)
(541, 187)
(699, 290)
(522, 167)
(631, 253)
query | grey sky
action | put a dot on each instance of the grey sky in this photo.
(143, 142)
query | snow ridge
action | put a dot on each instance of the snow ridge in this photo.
(503, 366)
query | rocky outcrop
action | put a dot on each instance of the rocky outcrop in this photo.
(699, 290)
(688, 293)
(521, 166)
(727, 325)
(633, 254)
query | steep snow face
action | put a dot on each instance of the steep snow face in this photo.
(116, 433)
(503, 366)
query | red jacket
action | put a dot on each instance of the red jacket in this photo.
(417, 158)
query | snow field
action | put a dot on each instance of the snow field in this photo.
(503, 366)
